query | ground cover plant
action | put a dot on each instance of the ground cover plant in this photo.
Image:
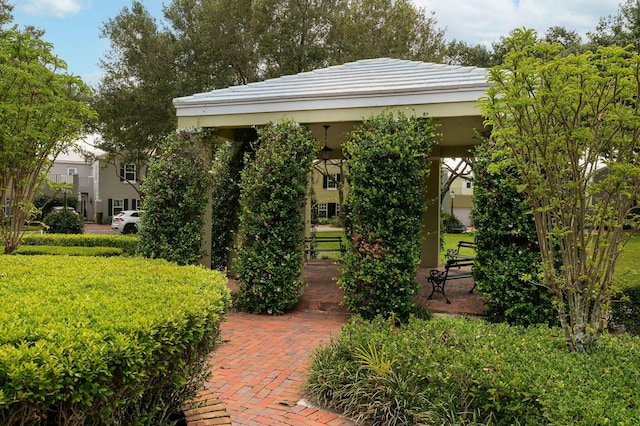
(457, 371)
(98, 341)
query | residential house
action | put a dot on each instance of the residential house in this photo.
(115, 187)
(100, 189)
(459, 200)
(328, 178)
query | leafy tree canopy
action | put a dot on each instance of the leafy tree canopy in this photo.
(202, 45)
(42, 110)
(560, 119)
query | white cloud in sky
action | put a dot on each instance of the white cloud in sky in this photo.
(485, 21)
(56, 8)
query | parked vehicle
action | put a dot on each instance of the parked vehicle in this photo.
(126, 221)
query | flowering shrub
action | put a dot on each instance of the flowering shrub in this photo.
(387, 158)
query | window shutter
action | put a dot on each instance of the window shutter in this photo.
(133, 204)
(126, 204)
(338, 177)
(110, 206)
(325, 180)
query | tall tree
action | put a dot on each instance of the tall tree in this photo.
(291, 34)
(621, 30)
(461, 53)
(134, 101)
(42, 110)
(383, 28)
(559, 119)
(207, 44)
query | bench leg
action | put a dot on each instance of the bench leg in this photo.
(438, 279)
(472, 288)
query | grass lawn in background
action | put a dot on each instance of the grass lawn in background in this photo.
(628, 267)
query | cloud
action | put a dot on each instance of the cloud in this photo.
(485, 21)
(55, 8)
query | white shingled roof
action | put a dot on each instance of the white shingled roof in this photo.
(366, 83)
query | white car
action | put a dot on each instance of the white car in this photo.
(126, 222)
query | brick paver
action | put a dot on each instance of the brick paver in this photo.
(259, 368)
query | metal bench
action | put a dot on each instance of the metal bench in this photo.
(311, 249)
(438, 278)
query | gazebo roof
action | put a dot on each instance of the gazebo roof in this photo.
(341, 93)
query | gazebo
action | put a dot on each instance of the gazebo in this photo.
(342, 96)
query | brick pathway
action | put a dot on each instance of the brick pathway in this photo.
(259, 367)
(258, 370)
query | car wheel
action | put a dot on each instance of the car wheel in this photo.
(129, 228)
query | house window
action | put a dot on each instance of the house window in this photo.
(72, 171)
(117, 207)
(328, 210)
(322, 210)
(468, 184)
(332, 182)
(128, 172)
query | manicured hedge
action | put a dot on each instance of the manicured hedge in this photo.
(103, 341)
(127, 243)
(387, 159)
(454, 371)
(68, 251)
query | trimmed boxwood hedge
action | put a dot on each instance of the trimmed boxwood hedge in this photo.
(455, 371)
(68, 251)
(103, 341)
(128, 243)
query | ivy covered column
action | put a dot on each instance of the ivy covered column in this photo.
(430, 244)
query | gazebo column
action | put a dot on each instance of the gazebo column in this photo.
(430, 246)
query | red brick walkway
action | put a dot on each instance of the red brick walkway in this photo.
(259, 368)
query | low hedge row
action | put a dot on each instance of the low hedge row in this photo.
(128, 243)
(69, 251)
(98, 341)
(453, 371)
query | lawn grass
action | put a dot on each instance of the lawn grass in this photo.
(627, 270)
(628, 266)
(336, 232)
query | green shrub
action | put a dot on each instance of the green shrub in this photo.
(625, 310)
(271, 234)
(454, 371)
(227, 166)
(98, 341)
(508, 254)
(452, 224)
(68, 251)
(386, 157)
(63, 222)
(175, 199)
(128, 243)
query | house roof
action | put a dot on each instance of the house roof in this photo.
(358, 86)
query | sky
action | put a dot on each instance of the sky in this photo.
(73, 26)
